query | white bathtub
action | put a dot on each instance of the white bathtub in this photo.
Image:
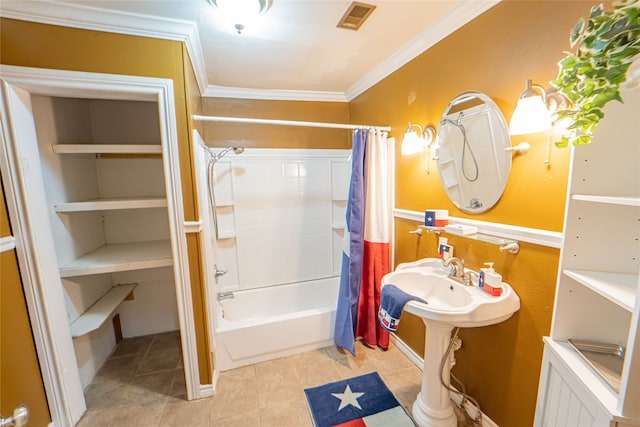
(267, 323)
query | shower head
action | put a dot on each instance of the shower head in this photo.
(217, 156)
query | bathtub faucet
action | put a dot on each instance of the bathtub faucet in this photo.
(225, 295)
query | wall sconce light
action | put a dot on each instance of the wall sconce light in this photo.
(241, 12)
(414, 142)
(535, 113)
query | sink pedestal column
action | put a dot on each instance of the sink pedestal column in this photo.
(433, 407)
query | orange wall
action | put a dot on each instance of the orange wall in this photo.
(219, 134)
(193, 102)
(46, 46)
(495, 54)
(20, 378)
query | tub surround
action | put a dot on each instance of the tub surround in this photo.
(281, 231)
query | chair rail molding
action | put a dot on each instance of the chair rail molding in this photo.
(552, 239)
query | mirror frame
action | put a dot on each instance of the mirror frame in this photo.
(480, 190)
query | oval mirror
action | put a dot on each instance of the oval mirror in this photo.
(472, 161)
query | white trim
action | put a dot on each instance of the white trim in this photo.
(273, 94)
(536, 236)
(207, 390)
(112, 21)
(407, 351)
(171, 159)
(288, 122)
(419, 363)
(54, 347)
(31, 225)
(7, 244)
(99, 19)
(463, 13)
(192, 226)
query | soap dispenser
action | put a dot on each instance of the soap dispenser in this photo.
(490, 281)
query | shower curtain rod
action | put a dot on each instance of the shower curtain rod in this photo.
(287, 123)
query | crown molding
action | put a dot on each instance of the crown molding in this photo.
(111, 21)
(94, 18)
(273, 94)
(461, 14)
(7, 244)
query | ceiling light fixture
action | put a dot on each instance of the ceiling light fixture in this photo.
(241, 12)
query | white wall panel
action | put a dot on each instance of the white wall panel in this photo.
(282, 207)
(283, 215)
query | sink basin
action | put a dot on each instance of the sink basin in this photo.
(448, 304)
(449, 301)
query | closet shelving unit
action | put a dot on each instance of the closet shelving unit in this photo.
(598, 287)
(112, 257)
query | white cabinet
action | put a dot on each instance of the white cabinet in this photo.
(597, 290)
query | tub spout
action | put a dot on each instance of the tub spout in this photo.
(225, 295)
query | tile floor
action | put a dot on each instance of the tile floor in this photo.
(142, 385)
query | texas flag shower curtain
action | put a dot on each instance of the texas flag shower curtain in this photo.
(366, 255)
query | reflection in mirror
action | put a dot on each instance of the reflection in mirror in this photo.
(472, 161)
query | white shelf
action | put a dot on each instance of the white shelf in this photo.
(102, 310)
(585, 374)
(616, 287)
(121, 257)
(111, 204)
(596, 294)
(612, 200)
(226, 234)
(224, 203)
(338, 225)
(107, 149)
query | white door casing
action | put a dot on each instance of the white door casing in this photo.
(26, 201)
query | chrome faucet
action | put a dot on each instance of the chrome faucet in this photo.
(471, 278)
(457, 268)
(458, 272)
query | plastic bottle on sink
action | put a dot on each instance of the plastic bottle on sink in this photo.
(490, 281)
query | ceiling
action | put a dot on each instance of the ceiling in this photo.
(294, 51)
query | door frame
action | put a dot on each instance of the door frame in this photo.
(21, 170)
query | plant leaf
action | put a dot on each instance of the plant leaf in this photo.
(605, 44)
(577, 32)
(582, 140)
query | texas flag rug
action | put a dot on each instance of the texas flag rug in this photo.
(363, 401)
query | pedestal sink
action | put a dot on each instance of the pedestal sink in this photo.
(449, 304)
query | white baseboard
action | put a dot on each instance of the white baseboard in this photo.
(206, 390)
(419, 362)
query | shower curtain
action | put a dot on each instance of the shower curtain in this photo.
(365, 258)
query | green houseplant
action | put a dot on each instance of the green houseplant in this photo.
(605, 47)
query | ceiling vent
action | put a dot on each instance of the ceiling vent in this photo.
(355, 15)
